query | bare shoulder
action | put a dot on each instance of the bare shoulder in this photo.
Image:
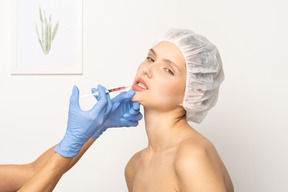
(194, 152)
(131, 168)
(198, 166)
(133, 162)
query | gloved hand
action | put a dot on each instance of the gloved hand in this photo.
(125, 113)
(83, 124)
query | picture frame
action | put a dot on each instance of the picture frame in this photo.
(46, 37)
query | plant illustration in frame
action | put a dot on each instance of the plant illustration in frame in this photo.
(48, 33)
(46, 37)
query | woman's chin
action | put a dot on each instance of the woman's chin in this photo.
(136, 99)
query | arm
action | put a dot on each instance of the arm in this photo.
(13, 177)
(198, 169)
(42, 160)
(47, 178)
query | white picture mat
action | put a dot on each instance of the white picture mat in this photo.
(65, 56)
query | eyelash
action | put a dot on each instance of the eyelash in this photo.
(166, 69)
(150, 59)
(169, 71)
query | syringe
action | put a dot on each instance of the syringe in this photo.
(107, 91)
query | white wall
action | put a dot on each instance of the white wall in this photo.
(249, 125)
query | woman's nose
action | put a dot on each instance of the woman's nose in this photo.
(147, 70)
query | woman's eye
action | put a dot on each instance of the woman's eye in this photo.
(150, 59)
(169, 71)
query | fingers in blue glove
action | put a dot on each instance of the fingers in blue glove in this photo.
(103, 99)
(115, 105)
(121, 104)
(136, 117)
(135, 108)
(123, 95)
(74, 98)
(129, 123)
(94, 90)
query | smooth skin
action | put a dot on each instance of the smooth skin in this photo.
(178, 158)
(47, 178)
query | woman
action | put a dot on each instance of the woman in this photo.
(178, 158)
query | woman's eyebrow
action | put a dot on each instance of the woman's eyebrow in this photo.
(152, 50)
(172, 63)
(166, 60)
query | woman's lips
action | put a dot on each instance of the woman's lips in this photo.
(139, 85)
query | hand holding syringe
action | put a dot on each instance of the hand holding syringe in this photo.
(107, 91)
(106, 113)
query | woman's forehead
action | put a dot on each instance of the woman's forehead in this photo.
(170, 51)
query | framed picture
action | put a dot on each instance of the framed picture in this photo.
(46, 37)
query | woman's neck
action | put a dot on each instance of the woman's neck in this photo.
(164, 129)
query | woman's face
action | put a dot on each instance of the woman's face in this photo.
(161, 78)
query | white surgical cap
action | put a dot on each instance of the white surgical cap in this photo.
(204, 72)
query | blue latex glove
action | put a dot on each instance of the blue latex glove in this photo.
(83, 124)
(125, 113)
